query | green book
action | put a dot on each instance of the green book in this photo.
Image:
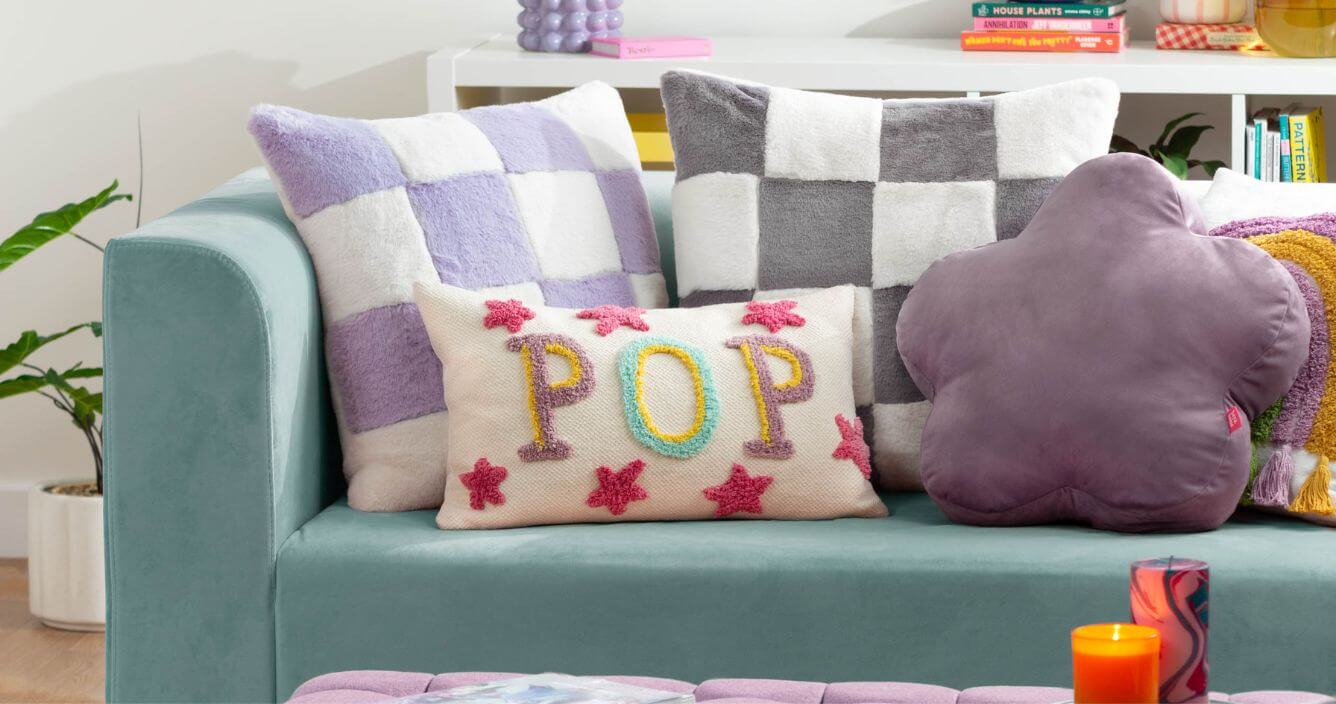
(1085, 8)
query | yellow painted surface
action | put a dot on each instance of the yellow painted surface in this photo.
(651, 134)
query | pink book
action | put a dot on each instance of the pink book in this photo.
(1111, 25)
(651, 47)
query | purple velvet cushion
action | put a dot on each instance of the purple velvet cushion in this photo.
(1103, 366)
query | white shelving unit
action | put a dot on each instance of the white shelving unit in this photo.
(890, 65)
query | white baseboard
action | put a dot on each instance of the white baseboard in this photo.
(14, 518)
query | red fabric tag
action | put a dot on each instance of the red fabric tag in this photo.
(1233, 418)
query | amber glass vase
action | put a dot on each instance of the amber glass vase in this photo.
(1304, 28)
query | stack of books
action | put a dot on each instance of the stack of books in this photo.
(1286, 145)
(1047, 25)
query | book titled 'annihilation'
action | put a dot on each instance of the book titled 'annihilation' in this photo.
(1086, 8)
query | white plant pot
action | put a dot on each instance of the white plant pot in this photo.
(66, 583)
(1203, 11)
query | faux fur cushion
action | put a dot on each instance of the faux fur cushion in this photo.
(1234, 196)
(1294, 440)
(622, 414)
(781, 190)
(536, 201)
(1104, 366)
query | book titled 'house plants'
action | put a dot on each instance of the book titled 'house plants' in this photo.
(65, 575)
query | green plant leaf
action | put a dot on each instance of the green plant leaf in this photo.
(26, 383)
(50, 225)
(1120, 143)
(86, 403)
(1169, 127)
(21, 385)
(1212, 166)
(1183, 141)
(1177, 165)
(29, 341)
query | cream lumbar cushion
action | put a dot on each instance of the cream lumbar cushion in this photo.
(615, 413)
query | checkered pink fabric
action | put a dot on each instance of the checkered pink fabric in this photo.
(1204, 36)
(365, 686)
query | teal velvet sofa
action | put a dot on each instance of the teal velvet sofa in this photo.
(236, 571)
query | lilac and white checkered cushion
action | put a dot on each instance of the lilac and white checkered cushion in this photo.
(781, 191)
(539, 201)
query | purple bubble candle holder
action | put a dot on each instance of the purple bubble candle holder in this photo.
(567, 25)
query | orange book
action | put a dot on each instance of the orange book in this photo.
(1043, 41)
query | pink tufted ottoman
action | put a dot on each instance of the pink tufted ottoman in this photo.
(359, 686)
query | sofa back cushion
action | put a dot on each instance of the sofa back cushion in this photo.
(781, 190)
(1235, 196)
(541, 202)
(617, 413)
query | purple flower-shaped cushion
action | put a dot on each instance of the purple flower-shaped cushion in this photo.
(1103, 366)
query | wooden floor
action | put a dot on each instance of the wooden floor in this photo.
(40, 664)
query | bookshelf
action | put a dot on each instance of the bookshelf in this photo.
(481, 71)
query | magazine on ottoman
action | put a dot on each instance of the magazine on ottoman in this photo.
(550, 688)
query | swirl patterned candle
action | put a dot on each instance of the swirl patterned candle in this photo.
(1171, 594)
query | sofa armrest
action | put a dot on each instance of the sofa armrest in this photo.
(220, 442)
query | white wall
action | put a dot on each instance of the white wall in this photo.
(77, 72)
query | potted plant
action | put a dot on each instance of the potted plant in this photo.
(1174, 147)
(65, 578)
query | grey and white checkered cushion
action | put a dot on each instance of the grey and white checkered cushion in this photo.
(781, 190)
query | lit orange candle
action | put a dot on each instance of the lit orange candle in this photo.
(1116, 663)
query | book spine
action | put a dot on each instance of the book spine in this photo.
(1042, 24)
(1273, 155)
(630, 49)
(1259, 139)
(1249, 161)
(1285, 173)
(1301, 149)
(1266, 153)
(1318, 134)
(1022, 9)
(1057, 42)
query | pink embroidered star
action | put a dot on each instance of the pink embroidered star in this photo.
(742, 492)
(852, 446)
(612, 317)
(617, 489)
(773, 315)
(510, 314)
(484, 484)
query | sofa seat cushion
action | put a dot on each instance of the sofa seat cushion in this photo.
(382, 686)
(912, 597)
